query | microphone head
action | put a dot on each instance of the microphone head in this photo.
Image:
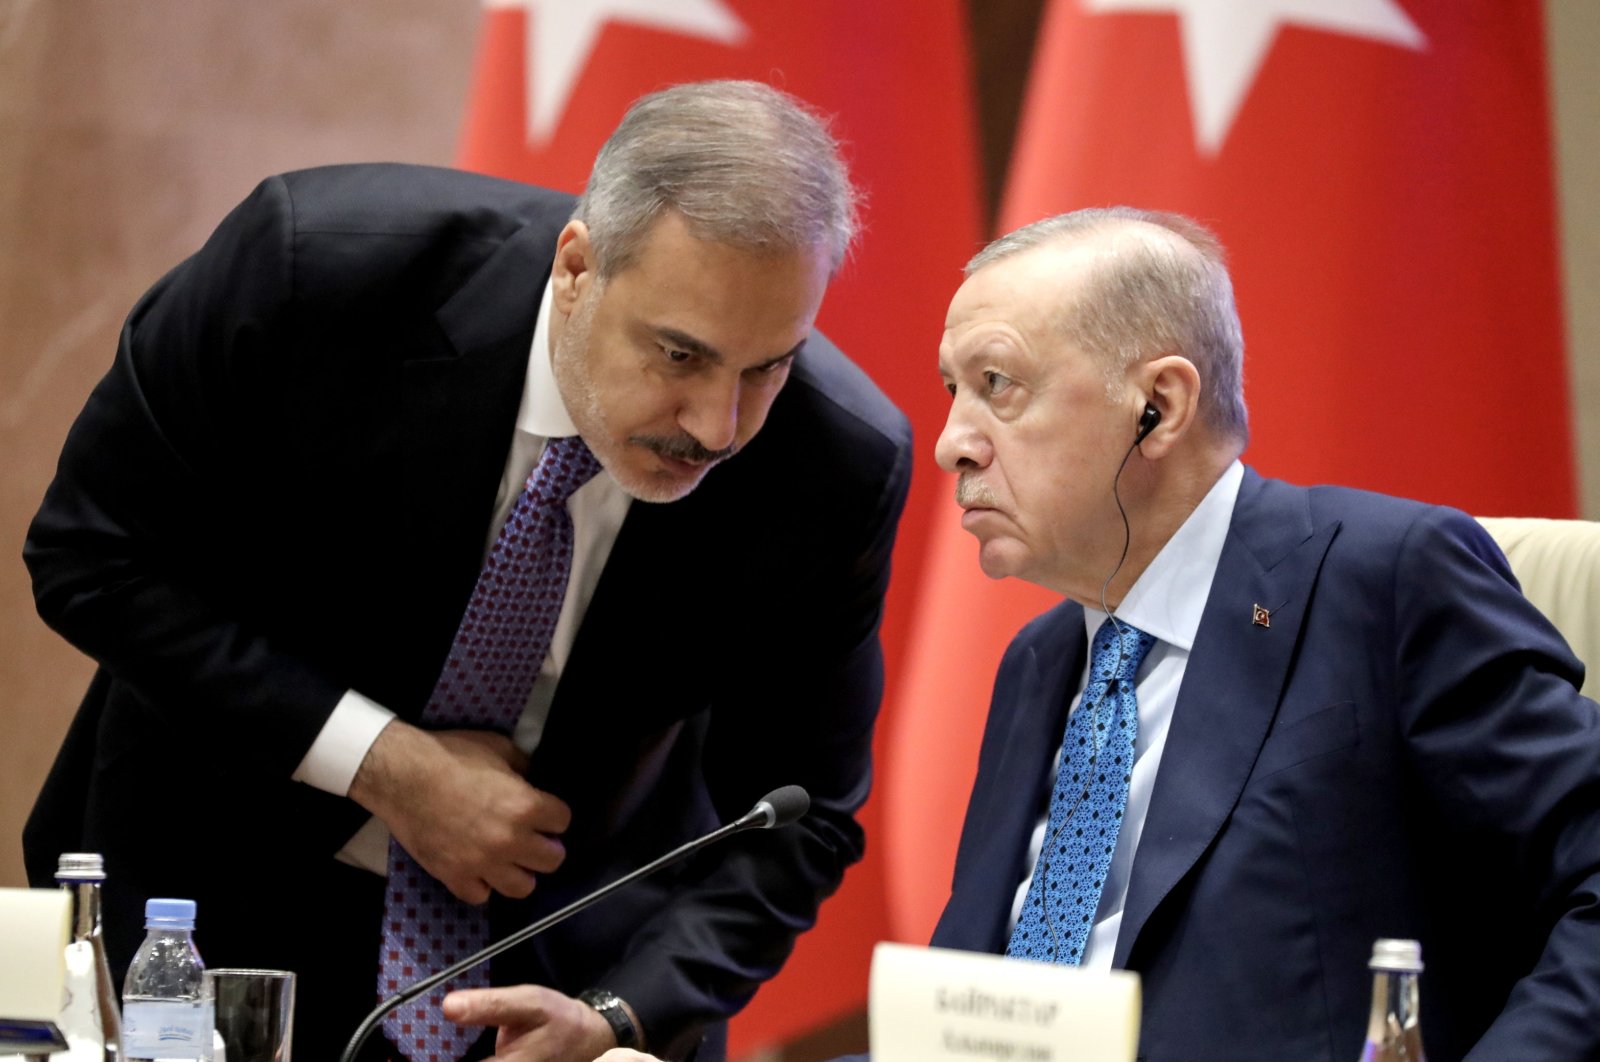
(782, 806)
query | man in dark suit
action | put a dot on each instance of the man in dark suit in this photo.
(270, 519)
(1349, 722)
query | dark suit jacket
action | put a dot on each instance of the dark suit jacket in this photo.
(1402, 753)
(282, 489)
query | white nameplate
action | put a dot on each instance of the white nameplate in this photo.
(35, 925)
(931, 1004)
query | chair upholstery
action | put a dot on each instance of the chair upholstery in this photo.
(1558, 564)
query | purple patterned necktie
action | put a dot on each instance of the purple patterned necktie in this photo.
(498, 651)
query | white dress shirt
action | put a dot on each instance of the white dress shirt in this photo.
(1166, 603)
(597, 509)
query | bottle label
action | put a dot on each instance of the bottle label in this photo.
(167, 1028)
(80, 1003)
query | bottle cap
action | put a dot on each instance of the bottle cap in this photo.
(1399, 956)
(169, 914)
(81, 866)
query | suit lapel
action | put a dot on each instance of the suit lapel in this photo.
(628, 685)
(458, 404)
(1231, 689)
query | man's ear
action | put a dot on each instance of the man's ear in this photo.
(1171, 384)
(574, 268)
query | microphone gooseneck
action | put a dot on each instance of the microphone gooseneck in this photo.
(778, 808)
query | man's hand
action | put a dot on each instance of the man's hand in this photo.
(457, 802)
(536, 1024)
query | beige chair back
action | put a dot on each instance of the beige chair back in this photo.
(1558, 564)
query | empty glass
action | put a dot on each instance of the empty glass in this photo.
(254, 1013)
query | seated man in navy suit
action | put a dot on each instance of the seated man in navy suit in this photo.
(1346, 721)
(1302, 719)
(439, 537)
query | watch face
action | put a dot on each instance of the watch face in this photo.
(611, 1009)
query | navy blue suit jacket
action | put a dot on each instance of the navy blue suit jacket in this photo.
(282, 490)
(1402, 753)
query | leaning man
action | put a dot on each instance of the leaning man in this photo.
(449, 547)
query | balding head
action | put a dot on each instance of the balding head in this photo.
(1156, 285)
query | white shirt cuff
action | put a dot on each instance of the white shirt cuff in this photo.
(333, 759)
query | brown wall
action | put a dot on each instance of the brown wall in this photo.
(126, 131)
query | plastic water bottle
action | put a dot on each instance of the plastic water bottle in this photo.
(1394, 1033)
(89, 1017)
(166, 1002)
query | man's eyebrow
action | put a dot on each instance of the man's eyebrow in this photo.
(701, 349)
(689, 345)
(792, 352)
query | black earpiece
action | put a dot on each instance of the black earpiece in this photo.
(1147, 422)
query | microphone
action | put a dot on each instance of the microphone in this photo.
(778, 808)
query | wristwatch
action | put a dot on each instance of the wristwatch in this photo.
(616, 1015)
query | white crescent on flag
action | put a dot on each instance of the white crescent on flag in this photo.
(562, 33)
(1225, 42)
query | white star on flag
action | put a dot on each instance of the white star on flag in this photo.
(562, 33)
(1225, 42)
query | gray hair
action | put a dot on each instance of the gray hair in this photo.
(744, 163)
(1155, 293)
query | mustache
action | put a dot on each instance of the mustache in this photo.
(974, 494)
(684, 447)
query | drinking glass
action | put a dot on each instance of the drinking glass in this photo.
(254, 1013)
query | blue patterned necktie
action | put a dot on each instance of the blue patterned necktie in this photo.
(1087, 803)
(498, 651)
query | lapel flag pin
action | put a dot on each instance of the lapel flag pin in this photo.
(1261, 617)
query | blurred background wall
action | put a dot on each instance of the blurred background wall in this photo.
(127, 130)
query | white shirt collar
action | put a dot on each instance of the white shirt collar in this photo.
(1169, 597)
(542, 412)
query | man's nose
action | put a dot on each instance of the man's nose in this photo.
(711, 413)
(960, 445)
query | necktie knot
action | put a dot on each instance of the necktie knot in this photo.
(1119, 648)
(565, 465)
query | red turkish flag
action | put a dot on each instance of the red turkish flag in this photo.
(1380, 172)
(552, 80)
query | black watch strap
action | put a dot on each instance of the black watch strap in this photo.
(616, 1015)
